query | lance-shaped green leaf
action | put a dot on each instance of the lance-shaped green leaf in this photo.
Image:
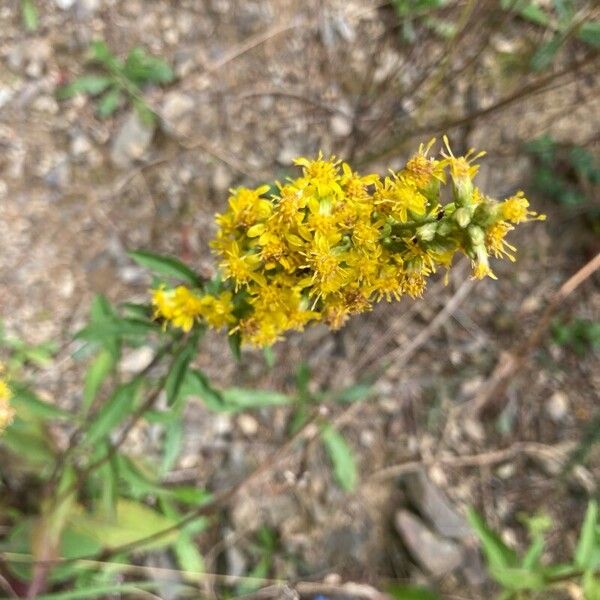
(588, 546)
(341, 456)
(165, 265)
(178, 371)
(99, 369)
(497, 553)
(86, 84)
(27, 402)
(117, 408)
(132, 522)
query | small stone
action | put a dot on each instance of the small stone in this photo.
(221, 424)
(64, 4)
(80, 145)
(435, 506)
(248, 424)
(506, 471)
(177, 118)
(287, 154)
(5, 96)
(66, 285)
(557, 406)
(367, 438)
(137, 360)
(341, 126)
(131, 142)
(221, 179)
(46, 104)
(86, 9)
(59, 174)
(474, 430)
(435, 554)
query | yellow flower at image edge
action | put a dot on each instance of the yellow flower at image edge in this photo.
(7, 413)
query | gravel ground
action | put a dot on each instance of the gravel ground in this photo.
(259, 83)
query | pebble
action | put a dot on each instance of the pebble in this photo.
(59, 174)
(176, 113)
(248, 424)
(5, 96)
(137, 360)
(46, 104)
(80, 145)
(433, 504)
(221, 179)
(221, 424)
(64, 4)
(287, 154)
(341, 126)
(131, 142)
(436, 555)
(86, 9)
(557, 406)
(367, 438)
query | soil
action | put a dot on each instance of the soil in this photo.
(257, 84)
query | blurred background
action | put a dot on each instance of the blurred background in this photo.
(122, 126)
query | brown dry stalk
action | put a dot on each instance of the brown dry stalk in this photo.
(476, 460)
(511, 362)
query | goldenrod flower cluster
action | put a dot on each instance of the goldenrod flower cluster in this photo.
(6, 411)
(332, 242)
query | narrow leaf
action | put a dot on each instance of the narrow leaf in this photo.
(86, 84)
(545, 54)
(341, 456)
(590, 33)
(497, 553)
(177, 373)
(588, 537)
(165, 265)
(196, 384)
(29, 14)
(133, 521)
(115, 410)
(27, 402)
(109, 103)
(97, 372)
(237, 399)
(173, 444)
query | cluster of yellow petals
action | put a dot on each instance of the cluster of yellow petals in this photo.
(6, 411)
(182, 307)
(332, 242)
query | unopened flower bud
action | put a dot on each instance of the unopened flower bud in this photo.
(476, 235)
(463, 216)
(463, 190)
(427, 232)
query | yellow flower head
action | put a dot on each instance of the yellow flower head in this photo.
(332, 242)
(7, 413)
(247, 206)
(320, 175)
(515, 209)
(179, 306)
(495, 242)
(400, 198)
(423, 170)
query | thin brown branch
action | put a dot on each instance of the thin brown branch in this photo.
(513, 361)
(475, 460)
